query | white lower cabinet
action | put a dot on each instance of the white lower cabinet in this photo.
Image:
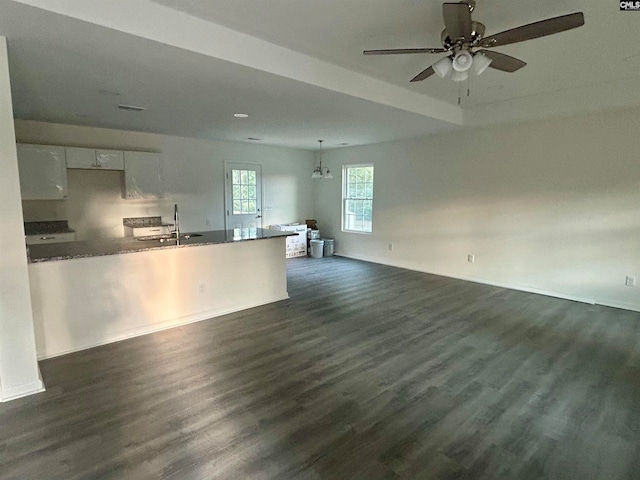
(142, 175)
(50, 238)
(43, 172)
(91, 158)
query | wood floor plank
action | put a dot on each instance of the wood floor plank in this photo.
(367, 372)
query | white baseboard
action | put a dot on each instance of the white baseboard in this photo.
(20, 391)
(510, 286)
(147, 329)
(620, 305)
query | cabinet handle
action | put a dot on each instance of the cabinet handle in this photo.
(47, 238)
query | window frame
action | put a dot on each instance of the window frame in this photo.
(345, 173)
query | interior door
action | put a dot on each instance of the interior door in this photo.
(243, 198)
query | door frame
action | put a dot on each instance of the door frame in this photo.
(227, 190)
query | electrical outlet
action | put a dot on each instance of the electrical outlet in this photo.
(391, 247)
(202, 287)
(471, 258)
(207, 222)
(630, 281)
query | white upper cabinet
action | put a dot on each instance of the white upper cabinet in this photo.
(142, 175)
(43, 172)
(95, 159)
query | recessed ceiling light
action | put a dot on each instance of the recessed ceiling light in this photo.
(343, 144)
(495, 87)
(109, 93)
(240, 115)
(132, 108)
(254, 139)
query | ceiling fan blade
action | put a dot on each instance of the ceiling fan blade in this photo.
(395, 51)
(502, 62)
(426, 73)
(534, 30)
(457, 20)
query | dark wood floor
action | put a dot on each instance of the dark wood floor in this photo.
(368, 372)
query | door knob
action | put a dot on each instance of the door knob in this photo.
(258, 216)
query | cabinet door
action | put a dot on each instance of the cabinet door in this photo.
(81, 157)
(94, 159)
(142, 175)
(110, 159)
(43, 172)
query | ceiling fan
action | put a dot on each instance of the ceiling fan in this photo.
(464, 42)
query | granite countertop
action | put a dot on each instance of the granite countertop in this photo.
(115, 246)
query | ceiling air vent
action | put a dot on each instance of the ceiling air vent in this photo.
(132, 108)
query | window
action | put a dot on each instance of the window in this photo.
(244, 191)
(357, 198)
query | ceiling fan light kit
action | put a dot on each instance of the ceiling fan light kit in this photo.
(462, 61)
(480, 63)
(464, 43)
(443, 67)
(459, 76)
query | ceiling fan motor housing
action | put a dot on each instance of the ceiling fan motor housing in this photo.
(477, 33)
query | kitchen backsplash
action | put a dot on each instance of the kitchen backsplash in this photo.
(95, 207)
(138, 222)
(50, 226)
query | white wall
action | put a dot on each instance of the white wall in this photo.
(551, 206)
(193, 177)
(18, 367)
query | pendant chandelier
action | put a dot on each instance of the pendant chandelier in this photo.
(320, 171)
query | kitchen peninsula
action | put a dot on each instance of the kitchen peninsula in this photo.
(90, 293)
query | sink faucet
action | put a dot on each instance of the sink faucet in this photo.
(176, 220)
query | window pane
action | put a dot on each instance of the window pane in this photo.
(237, 207)
(368, 210)
(236, 176)
(368, 191)
(251, 177)
(243, 176)
(251, 191)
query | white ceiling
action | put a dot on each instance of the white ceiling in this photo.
(193, 63)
